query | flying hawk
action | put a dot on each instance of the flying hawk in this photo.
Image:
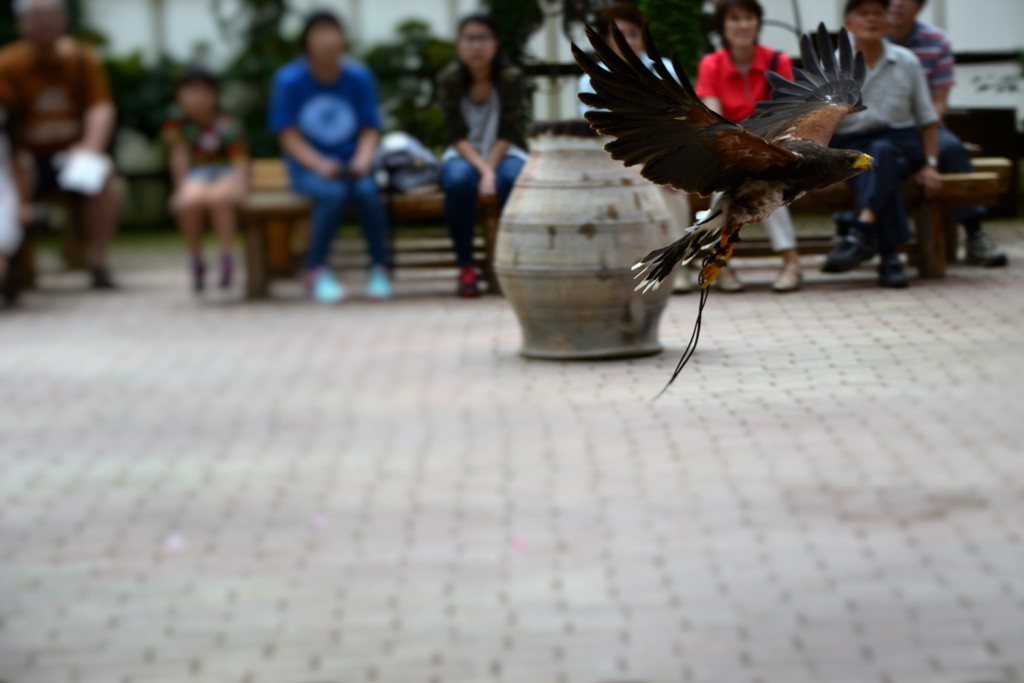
(768, 160)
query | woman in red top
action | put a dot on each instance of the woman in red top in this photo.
(731, 81)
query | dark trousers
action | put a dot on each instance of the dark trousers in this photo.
(954, 158)
(897, 154)
(460, 180)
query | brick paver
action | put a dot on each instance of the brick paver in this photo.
(280, 493)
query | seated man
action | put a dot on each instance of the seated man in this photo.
(324, 110)
(899, 129)
(932, 47)
(61, 101)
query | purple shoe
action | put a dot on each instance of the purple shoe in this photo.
(227, 271)
(198, 276)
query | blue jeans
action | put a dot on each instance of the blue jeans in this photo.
(330, 198)
(897, 154)
(460, 180)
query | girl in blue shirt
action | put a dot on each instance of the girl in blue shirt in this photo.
(325, 112)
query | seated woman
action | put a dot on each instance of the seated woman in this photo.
(482, 98)
(325, 112)
(209, 168)
(731, 81)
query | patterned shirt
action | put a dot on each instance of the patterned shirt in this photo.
(215, 145)
(933, 49)
(50, 93)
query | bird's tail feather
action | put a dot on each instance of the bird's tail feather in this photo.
(659, 264)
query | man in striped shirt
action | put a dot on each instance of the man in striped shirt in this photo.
(933, 49)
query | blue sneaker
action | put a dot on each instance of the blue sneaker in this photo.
(323, 288)
(378, 285)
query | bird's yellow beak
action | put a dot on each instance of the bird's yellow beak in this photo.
(863, 162)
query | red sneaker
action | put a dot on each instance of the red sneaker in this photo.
(469, 287)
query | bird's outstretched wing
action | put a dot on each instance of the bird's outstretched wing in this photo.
(660, 123)
(823, 93)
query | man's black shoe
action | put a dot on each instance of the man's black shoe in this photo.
(850, 253)
(890, 272)
(101, 280)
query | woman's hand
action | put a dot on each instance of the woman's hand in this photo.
(360, 166)
(487, 183)
(328, 168)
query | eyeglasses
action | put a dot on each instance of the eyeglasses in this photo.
(476, 39)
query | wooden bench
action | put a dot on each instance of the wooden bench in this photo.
(935, 228)
(274, 222)
(24, 271)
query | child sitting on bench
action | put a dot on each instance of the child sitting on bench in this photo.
(209, 166)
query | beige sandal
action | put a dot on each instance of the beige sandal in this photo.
(728, 281)
(789, 278)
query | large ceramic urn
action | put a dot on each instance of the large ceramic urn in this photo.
(572, 229)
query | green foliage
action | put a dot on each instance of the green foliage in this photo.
(8, 27)
(255, 27)
(680, 27)
(405, 70)
(517, 20)
(143, 92)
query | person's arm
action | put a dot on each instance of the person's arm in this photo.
(100, 113)
(928, 176)
(367, 106)
(498, 152)
(99, 127)
(449, 97)
(941, 78)
(241, 170)
(283, 119)
(238, 156)
(707, 84)
(712, 103)
(940, 100)
(928, 121)
(295, 146)
(512, 119)
(366, 146)
(181, 161)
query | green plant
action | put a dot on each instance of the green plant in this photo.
(517, 20)
(405, 70)
(143, 92)
(256, 26)
(680, 27)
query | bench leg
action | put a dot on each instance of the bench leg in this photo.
(256, 266)
(950, 229)
(931, 239)
(73, 242)
(22, 265)
(490, 225)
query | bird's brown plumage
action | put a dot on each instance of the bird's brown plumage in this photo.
(768, 160)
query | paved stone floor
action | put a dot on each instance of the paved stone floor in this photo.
(278, 493)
